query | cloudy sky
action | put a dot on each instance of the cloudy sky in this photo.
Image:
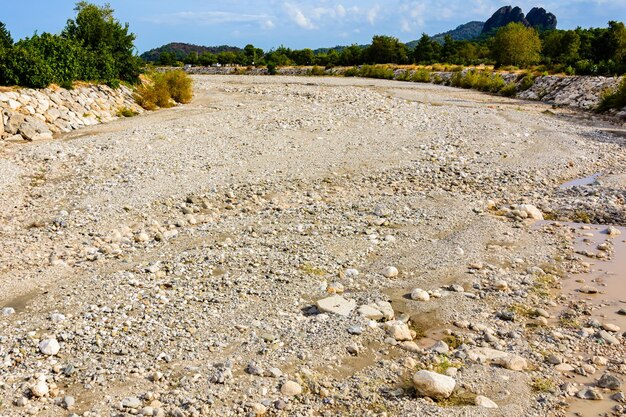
(296, 24)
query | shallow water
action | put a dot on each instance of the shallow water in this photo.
(608, 277)
(590, 180)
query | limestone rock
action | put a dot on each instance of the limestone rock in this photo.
(49, 347)
(433, 385)
(336, 305)
(482, 401)
(291, 389)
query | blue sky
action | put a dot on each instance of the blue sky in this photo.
(296, 24)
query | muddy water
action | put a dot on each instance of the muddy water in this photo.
(608, 277)
(590, 180)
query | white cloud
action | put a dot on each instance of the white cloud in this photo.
(298, 17)
(372, 14)
(211, 18)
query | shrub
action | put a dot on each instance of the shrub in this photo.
(164, 90)
(351, 72)
(615, 99)
(437, 79)
(317, 71)
(421, 76)
(527, 81)
(271, 68)
(377, 71)
(126, 112)
(509, 90)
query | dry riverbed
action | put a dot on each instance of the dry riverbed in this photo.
(316, 246)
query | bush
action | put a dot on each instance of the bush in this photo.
(317, 71)
(377, 71)
(351, 72)
(271, 68)
(615, 99)
(126, 112)
(421, 76)
(509, 90)
(164, 90)
(527, 81)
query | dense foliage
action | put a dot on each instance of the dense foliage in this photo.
(164, 90)
(93, 47)
(579, 51)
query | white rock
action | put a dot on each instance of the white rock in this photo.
(131, 402)
(532, 211)
(398, 330)
(419, 294)
(433, 385)
(291, 388)
(613, 231)
(40, 388)
(7, 311)
(336, 305)
(49, 347)
(386, 308)
(369, 312)
(390, 272)
(482, 401)
(351, 273)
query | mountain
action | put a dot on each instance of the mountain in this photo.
(463, 32)
(537, 17)
(181, 50)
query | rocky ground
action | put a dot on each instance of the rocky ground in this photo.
(312, 246)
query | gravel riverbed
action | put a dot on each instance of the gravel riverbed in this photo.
(303, 246)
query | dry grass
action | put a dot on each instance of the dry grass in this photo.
(163, 90)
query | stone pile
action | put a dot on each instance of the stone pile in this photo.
(29, 114)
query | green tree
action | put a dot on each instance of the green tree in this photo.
(426, 51)
(561, 46)
(97, 30)
(352, 55)
(207, 59)
(515, 44)
(6, 41)
(386, 50)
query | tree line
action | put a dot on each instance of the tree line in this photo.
(579, 51)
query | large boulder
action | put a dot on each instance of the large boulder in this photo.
(433, 385)
(32, 129)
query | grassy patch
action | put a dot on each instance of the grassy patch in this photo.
(542, 385)
(311, 270)
(126, 112)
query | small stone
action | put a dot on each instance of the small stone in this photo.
(613, 231)
(7, 311)
(385, 308)
(564, 367)
(419, 294)
(622, 312)
(609, 381)
(586, 289)
(482, 401)
(40, 388)
(351, 273)
(501, 285)
(398, 330)
(355, 330)
(258, 409)
(619, 397)
(390, 272)
(607, 337)
(610, 327)
(410, 346)
(131, 402)
(589, 394)
(290, 389)
(68, 402)
(433, 385)
(49, 347)
(440, 347)
(336, 305)
(512, 362)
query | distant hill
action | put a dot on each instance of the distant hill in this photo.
(537, 17)
(181, 50)
(463, 32)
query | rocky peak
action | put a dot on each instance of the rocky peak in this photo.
(539, 18)
(503, 16)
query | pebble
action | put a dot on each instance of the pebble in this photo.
(482, 401)
(356, 330)
(258, 409)
(7, 311)
(131, 402)
(609, 381)
(589, 393)
(610, 327)
(370, 312)
(398, 330)
(390, 272)
(433, 385)
(40, 388)
(613, 231)
(68, 402)
(419, 294)
(291, 389)
(49, 347)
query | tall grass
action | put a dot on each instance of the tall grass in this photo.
(615, 99)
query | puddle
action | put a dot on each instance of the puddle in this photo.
(590, 180)
(608, 278)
